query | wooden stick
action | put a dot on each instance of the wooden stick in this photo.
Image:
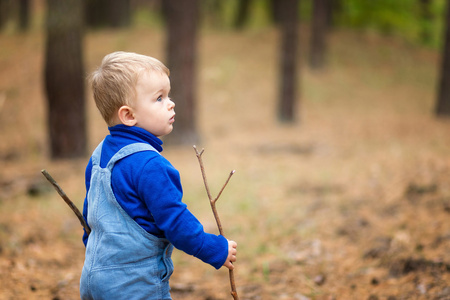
(67, 200)
(216, 215)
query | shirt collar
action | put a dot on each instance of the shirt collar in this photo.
(136, 133)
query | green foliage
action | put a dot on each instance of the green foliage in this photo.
(222, 14)
(148, 18)
(404, 18)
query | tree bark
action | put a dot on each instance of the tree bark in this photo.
(181, 18)
(288, 10)
(64, 79)
(443, 101)
(318, 35)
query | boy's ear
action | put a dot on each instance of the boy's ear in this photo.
(126, 115)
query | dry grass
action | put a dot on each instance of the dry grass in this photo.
(357, 192)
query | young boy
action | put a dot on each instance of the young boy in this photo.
(133, 200)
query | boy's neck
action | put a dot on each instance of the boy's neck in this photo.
(115, 121)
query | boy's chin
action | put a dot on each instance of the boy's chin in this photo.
(165, 134)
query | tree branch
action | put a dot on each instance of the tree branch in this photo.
(216, 215)
(67, 200)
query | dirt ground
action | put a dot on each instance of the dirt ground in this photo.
(350, 202)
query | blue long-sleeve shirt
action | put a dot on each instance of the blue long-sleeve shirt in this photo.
(148, 188)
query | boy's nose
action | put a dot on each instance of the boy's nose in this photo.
(171, 104)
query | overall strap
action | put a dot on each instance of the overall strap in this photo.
(128, 150)
(97, 154)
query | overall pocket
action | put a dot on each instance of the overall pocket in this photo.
(167, 262)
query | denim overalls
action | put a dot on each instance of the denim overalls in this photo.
(123, 261)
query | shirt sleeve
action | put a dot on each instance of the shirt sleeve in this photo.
(160, 187)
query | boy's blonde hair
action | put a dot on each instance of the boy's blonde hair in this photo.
(113, 83)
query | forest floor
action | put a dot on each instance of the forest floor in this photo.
(350, 202)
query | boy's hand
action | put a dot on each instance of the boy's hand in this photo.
(231, 255)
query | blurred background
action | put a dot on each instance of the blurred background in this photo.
(333, 113)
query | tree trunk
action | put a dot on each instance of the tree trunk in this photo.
(426, 17)
(242, 14)
(334, 9)
(120, 13)
(288, 10)
(275, 8)
(64, 79)
(108, 13)
(5, 12)
(181, 24)
(443, 103)
(330, 14)
(96, 14)
(24, 15)
(318, 35)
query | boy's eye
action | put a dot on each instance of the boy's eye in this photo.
(159, 99)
